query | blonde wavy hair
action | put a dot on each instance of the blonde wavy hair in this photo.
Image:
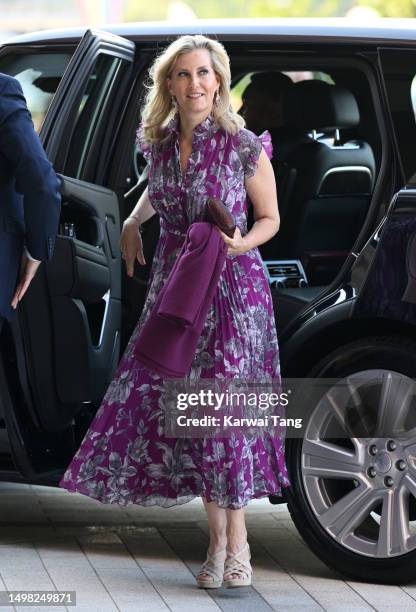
(158, 109)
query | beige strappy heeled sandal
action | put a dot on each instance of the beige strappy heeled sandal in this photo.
(213, 567)
(241, 567)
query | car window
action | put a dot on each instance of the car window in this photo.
(237, 90)
(39, 75)
(88, 128)
(399, 68)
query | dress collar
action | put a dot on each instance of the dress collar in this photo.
(201, 131)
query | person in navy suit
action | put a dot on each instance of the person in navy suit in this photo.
(30, 200)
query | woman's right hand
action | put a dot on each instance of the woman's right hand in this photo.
(131, 245)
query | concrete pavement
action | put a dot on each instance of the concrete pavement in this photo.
(136, 558)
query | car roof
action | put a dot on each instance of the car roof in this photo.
(325, 29)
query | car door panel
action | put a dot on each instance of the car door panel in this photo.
(79, 314)
(69, 322)
(78, 270)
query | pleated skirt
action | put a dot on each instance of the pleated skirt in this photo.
(125, 456)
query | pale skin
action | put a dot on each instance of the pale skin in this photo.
(28, 270)
(191, 76)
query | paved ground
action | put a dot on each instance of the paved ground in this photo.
(145, 558)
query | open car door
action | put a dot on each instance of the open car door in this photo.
(67, 332)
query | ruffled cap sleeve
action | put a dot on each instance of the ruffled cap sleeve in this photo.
(266, 141)
(145, 148)
(250, 149)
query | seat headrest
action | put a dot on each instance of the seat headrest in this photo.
(316, 105)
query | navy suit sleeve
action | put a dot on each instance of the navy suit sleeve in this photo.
(34, 174)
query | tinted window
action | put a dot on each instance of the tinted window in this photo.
(89, 125)
(238, 90)
(39, 75)
(399, 67)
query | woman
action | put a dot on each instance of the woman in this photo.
(196, 147)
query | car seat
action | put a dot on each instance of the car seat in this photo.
(328, 184)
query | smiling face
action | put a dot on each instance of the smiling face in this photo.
(193, 82)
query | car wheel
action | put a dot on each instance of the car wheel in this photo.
(353, 473)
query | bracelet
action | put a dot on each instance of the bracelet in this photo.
(136, 219)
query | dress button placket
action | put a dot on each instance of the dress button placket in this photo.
(184, 178)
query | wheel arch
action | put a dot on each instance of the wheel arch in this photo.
(307, 347)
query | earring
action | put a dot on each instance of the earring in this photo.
(174, 103)
(217, 97)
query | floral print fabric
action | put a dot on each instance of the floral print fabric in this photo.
(124, 457)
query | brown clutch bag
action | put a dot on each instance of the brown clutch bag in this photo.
(217, 213)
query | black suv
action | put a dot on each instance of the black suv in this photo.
(342, 268)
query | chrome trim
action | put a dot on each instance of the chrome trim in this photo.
(339, 169)
(282, 277)
(346, 146)
(106, 298)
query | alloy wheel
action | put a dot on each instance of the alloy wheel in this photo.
(359, 463)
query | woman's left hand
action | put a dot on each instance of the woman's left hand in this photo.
(237, 245)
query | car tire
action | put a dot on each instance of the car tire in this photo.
(385, 354)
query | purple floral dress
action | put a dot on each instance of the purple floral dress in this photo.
(124, 457)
